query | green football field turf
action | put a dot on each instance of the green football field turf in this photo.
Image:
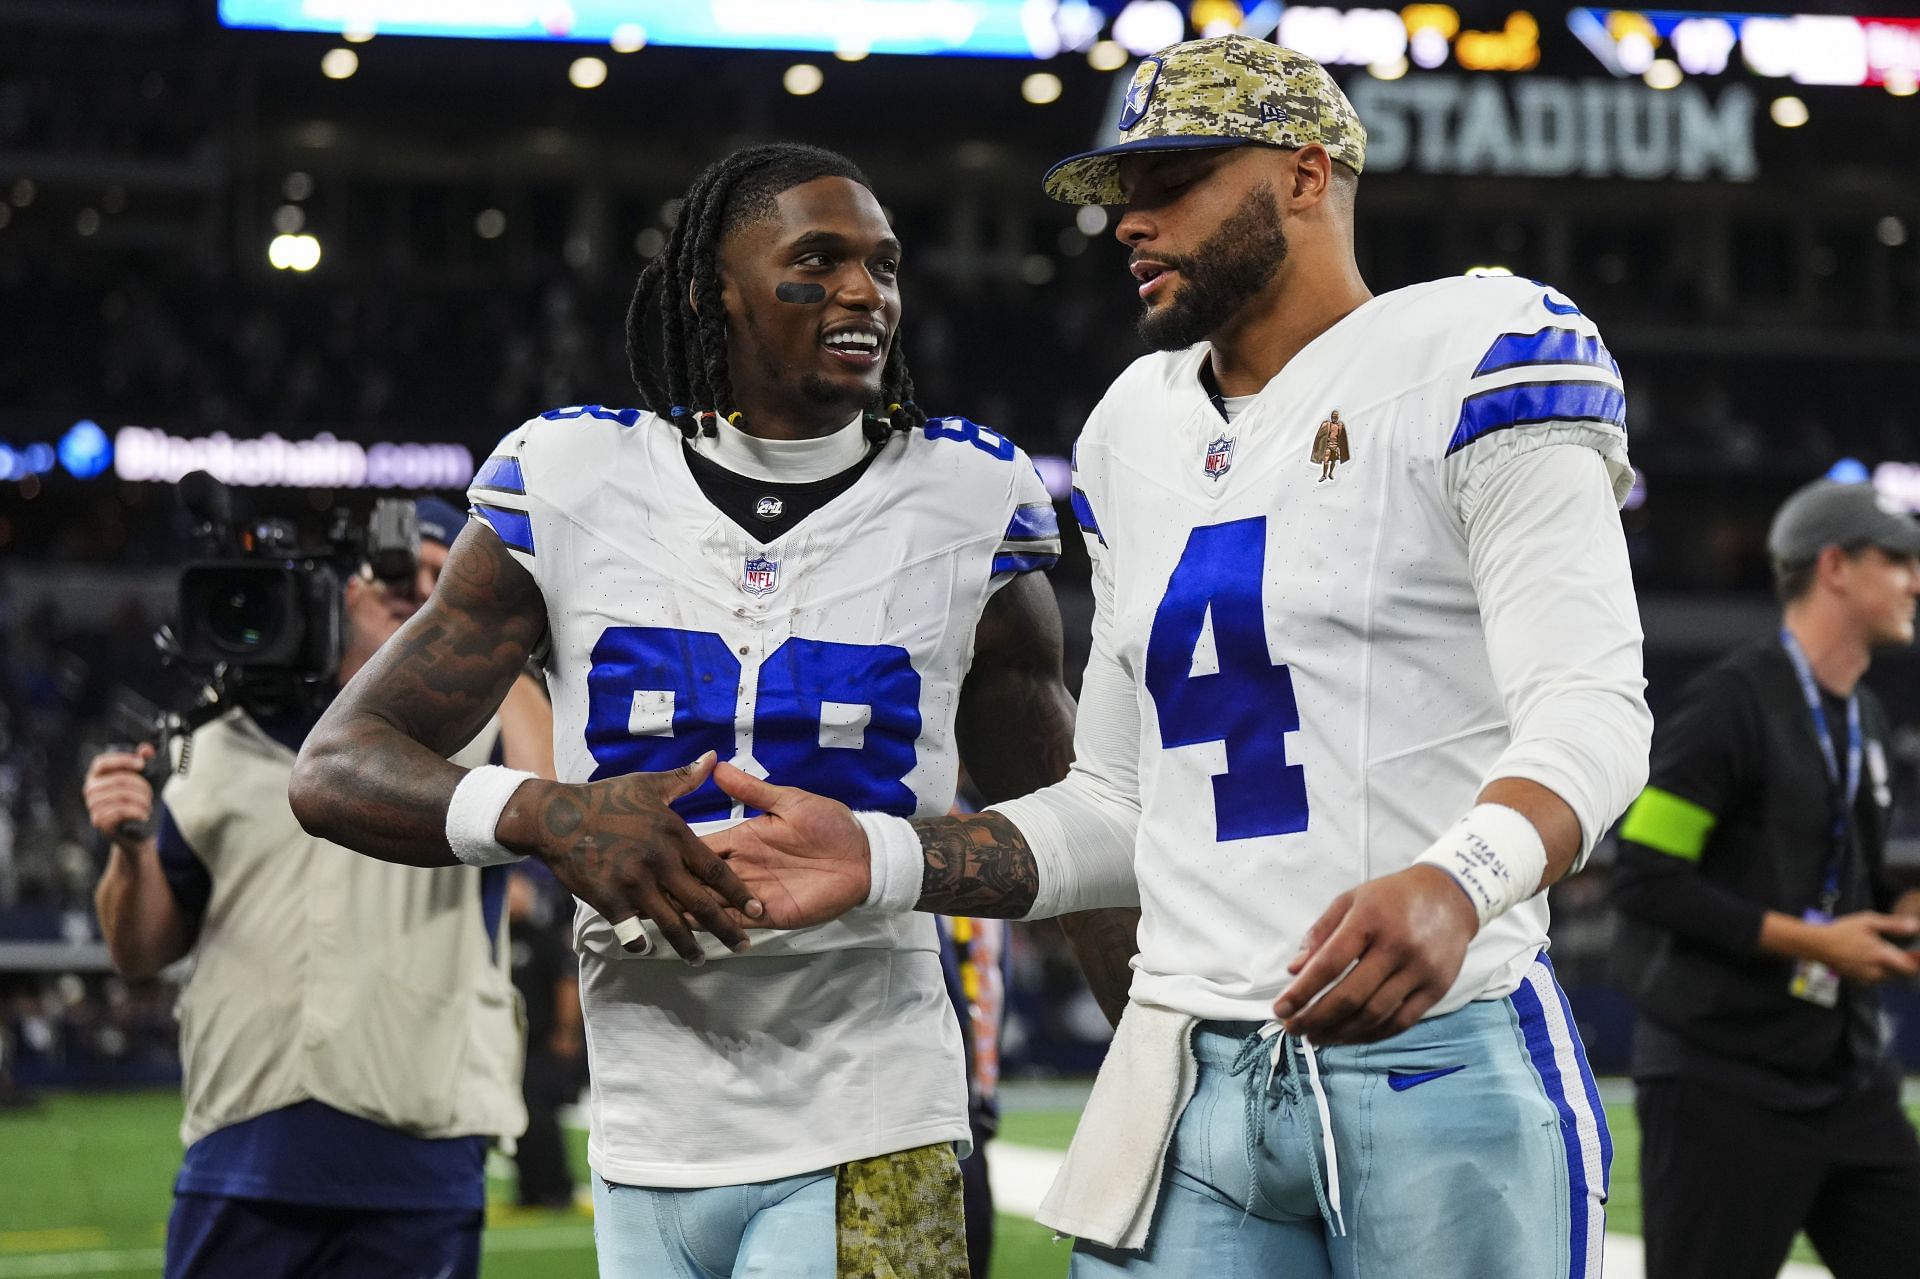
(85, 1178)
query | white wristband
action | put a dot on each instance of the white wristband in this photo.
(474, 812)
(895, 864)
(1495, 855)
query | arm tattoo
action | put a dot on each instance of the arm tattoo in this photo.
(373, 775)
(977, 865)
(1016, 735)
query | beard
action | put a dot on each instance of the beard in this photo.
(1221, 276)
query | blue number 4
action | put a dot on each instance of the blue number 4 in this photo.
(802, 684)
(1248, 703)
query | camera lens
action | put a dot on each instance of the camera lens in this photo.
(245, 616)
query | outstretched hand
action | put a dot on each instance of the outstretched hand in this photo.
(1379, 958)
(618, 846)
(804, 858)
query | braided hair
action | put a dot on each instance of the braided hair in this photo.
(684, 378)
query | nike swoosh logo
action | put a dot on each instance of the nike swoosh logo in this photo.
(1400, 1081)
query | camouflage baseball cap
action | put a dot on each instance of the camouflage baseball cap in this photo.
(1219, 92)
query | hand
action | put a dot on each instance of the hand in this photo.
(119, 797)
(806, 858)
(1378, 958)
(617, 846)
(1856, 946)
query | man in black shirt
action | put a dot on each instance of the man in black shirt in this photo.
(1758, 918)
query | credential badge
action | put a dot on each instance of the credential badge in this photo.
(760, 575)
(1219, 457)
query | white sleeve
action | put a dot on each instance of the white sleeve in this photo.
(1549, 564)
(1081, 828)
(1031, 543)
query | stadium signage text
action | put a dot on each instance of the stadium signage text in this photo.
(1543, 127)
(142, 453)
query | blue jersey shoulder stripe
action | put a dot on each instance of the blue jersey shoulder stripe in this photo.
(1548, 346)
(1034, 522)
(1533, 402)
(1083, 511)
(1011, 563)
(501, 472)
(514, 527)
(625, 417)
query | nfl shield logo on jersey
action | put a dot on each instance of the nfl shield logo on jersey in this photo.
(1219, 457)
(760, 575)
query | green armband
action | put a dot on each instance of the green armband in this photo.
(1668, 824)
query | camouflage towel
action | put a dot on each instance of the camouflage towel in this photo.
(901, 1216)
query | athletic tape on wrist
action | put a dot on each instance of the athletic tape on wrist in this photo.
(474, 812)
(1495, 855)
(895, 864)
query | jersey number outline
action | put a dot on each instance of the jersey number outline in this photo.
(796, 684)
(1248, 703)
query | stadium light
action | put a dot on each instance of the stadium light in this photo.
(1664, 73)
(1041, 88)
(289, 218)
(1107, 55)
(1392, 69)
(1147, 25)
(490, 224)
(802, 79)
(1901, 84)
(587, 73)
(293, 252)
(1788, 112)
(339, 64)
(1091, 219)
(1890, 231)
(629, 37)
(851, 51)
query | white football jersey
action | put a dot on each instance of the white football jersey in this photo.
(1291, 598)
(831, 659)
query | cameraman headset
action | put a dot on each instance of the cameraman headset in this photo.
(350, 1039)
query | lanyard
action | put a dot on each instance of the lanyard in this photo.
(1841, 792)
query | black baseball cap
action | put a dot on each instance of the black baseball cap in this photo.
(1827, 513)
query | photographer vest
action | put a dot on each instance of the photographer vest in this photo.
(323, 975)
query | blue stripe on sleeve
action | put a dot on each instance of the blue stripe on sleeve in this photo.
(180, 866)
(1009, 563)
(514, 527)
(1034, 522)
(1083, 511)
(1531, 402)
(500, 472)
(1548, 346)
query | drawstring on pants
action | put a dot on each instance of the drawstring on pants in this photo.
(1271, 1042)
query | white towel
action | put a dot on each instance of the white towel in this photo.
(1110, 1181)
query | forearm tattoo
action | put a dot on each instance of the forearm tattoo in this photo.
(979, 865)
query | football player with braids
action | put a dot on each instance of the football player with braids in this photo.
(783, 564)
(686, 378)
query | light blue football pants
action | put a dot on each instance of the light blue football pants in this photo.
(782, 1229)
(1472, 1146)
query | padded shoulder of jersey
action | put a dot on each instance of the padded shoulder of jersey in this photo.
(565, 452)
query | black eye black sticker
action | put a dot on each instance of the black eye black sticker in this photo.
(800, 294)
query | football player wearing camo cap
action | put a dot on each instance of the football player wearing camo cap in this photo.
(1365, 680)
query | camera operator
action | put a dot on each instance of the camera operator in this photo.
(1758, 920)
(349, 1034)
